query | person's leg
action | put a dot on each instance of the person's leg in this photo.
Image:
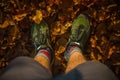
(43, 61)
(87, 70)
(77, 64)
(80, 32)
(75, 59)
(24, 68)
(41, 39)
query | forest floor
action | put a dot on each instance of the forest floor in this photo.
(17, 17)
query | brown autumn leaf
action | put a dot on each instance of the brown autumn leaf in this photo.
(60, 28)
(5, 24)
(111, 50)
(95, 56)
(3, 62)
(99, 57)
(38, 17)
(93, 41)
(14, 34)
(19, 17)
(92, 56)
(76, 2)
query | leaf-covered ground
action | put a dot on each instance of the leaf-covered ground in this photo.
(17, 17)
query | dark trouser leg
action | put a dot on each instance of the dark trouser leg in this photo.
(25, 68)
(92, 71)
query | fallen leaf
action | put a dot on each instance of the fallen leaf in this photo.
(99, 57)
(5, 24)
(92, 56)
(99, 48)
(111, 50)
(76, 1)
(19, 17)
(38, 17)
(112, 5)
(93, 42)
(49, 9)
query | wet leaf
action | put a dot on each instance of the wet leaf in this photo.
(38, 17)
(111, 51)
(19, 17)
(5, 24)
(92, 56)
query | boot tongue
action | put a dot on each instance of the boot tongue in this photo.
(78, 34)
(78, 37)
(42, 39)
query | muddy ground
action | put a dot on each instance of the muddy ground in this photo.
(17, 17)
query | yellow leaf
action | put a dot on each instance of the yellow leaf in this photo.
(49, 9)
(76, 1)
(99, 48)
(93, 42)
(111, 50)
(38, 17)
(5, 24)
(99, 57)
(92, 56)
(19, 17)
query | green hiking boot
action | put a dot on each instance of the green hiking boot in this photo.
(41, 38)
(80, 31)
